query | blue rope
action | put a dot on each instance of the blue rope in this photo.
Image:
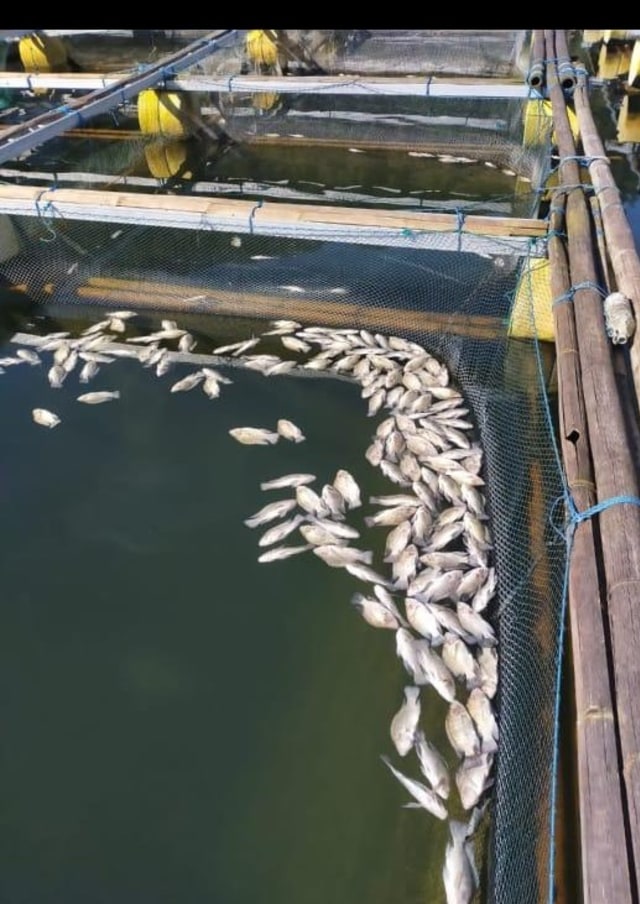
(568, 295)
(252, 214)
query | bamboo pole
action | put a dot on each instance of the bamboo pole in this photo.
(602, 835)
(535, 75)
(619, 236)
(566, 72)
(615, 474)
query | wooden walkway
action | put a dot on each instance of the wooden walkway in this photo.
(604, 517)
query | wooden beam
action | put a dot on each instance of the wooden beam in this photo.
(357, 225)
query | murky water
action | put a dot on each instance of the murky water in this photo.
(179, 721)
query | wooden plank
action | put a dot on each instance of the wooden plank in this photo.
(410, 86)
(196, 299)
(614, 471)
(312, 221)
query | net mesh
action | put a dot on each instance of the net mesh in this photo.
(458, 304)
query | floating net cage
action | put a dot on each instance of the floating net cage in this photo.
(451, 292)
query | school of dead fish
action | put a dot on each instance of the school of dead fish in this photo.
(439, 578)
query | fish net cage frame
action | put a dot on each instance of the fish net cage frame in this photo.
(503, 379)
(429, 293)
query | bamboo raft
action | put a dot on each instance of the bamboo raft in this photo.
(604, 564)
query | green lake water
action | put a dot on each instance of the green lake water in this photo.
(181, 723)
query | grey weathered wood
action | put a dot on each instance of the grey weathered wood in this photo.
(615, 475)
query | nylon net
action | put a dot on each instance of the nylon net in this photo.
(457, 296)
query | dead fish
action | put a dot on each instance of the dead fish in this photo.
(290, 431)
(423, 621)
(211, 387)
(56, 376)
(337, 529)
(29, 356)
(388, 517)
(473, 778)
(334, 500)
(186, 343)
(346, 484)
(405, 722)
(475, 625)
(281, 552)
(89, 370)
(288, 480)
(460, 660)
(339, 556)
(311, 502)
(270, 512)
(432, 765)
(320, 536)
(487, 659)
(459, 873)
(434, 671)
(96, 398)
(188, 382)
(283, 367)
(481, 711)
(295, 345)
(254, 436)
(397, 541)
(376, 613)
(45, 418)
(280, 531)
(243, 345)
(485, 593)
(424, 796)
(460, 730)
(70, 361)
(365, 573)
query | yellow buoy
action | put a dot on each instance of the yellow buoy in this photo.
(168, 113)
(531, 312)
(629, 119)
(613, 60)
(165, 159)
(41, 53)
(261, 49)
(265, 100)
(538, 121)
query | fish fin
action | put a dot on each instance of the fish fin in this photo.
(412, 805)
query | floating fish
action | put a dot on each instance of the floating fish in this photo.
(254, 436)
(280, 531)
(188, 382)
(270, 512)
(45, 418)
(287, 480)
(473, 778)
(487, 660)
(56, 376)
(481, 711)
(424, 796)
(376, 613)
(281, 552)
(460, 730)
(290, 431)
(96, 398)
(346, 484)
(432, 765)
(89, 370)
(459, 873)
(29, 356)
(338, 556)
(405, 722)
